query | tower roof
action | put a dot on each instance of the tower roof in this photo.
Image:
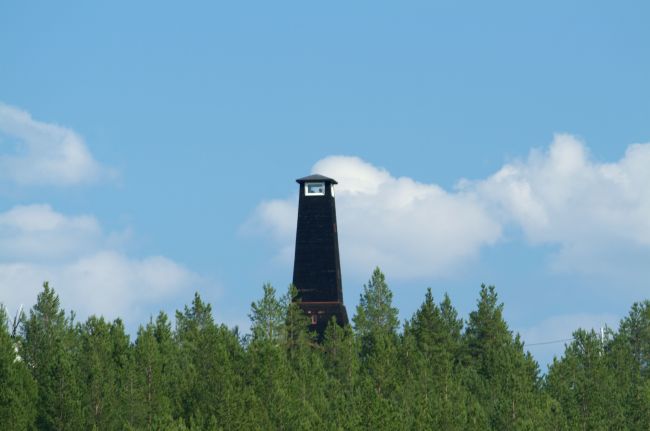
(316, 177)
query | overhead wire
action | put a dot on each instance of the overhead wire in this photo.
(548, 342)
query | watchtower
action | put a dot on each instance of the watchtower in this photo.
(317, 268)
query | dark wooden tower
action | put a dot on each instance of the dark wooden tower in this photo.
(316, 268)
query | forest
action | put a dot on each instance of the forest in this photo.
(433, 371)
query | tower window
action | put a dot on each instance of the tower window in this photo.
(314, 189)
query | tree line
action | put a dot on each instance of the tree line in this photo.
(433, 371)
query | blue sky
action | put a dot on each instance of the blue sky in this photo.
(148, 150)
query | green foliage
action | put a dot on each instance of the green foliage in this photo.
(154, 372)
(50, 350)
(629, 358)
(342, 365)
(430, 349)
(375, 313)
(17, 387)
(635, 334)
(376, 326)
(435, 372)
(267, 316)
(207, 379)
(583, 385)
(103, 362)
(503, 377)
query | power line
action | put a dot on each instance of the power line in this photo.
(548, 342)
(541, 343)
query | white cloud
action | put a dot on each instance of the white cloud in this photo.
(406, 227)
(275, 218)
(45, 153)
(598, 214)
(36, 232)
(81, 263)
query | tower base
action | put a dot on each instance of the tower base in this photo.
(321, 313)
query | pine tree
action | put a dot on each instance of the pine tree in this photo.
(208, 353)
(584, 385)
(49, 352)
(341, 360)
(309, 378)
(267, 370)
(453, 326)
(429, 349)
(17, 387)
(151, 377)
(103, 365)
(635, 332)
(267, 315)
(341, 352)
(296, 335)
(628, 359)
(375, 313)
(376, 324)
(169, 359)
(504, 378)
